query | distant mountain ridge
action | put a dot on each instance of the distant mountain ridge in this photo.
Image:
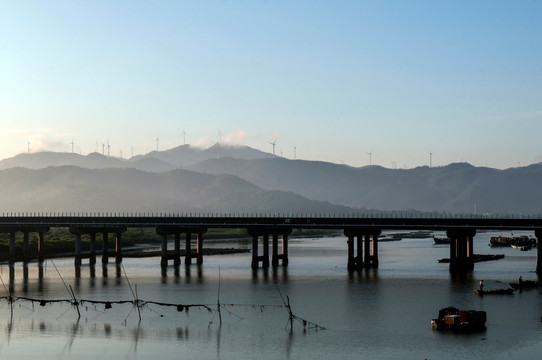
(154, 161)
(455, 188)
(128, 190)
(94, 160)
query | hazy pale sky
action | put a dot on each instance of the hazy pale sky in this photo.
(335, 80)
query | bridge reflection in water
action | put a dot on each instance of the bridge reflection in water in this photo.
(361, 232)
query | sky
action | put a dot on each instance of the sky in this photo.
(399, 84)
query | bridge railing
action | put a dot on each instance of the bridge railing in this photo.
(352, 215)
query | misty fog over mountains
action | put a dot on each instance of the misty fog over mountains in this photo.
(226, 179)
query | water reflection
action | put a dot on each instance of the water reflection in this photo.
(277, 274)
(362, 276)
(188, 271)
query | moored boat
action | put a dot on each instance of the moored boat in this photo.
(513, 241)
(440, 240)
(508, 291)
(525, 284)
(451, 318)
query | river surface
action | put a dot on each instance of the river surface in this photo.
(371, 314)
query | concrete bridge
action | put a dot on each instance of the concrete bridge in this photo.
(361, 233)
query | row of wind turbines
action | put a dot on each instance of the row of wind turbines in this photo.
(107, 146)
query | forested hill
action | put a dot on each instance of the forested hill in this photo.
(257, 181)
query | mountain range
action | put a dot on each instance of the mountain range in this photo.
(229, 179)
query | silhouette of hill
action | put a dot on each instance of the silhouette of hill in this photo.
(454, 188)
(73, 189)
(186, 155)
(93, 160)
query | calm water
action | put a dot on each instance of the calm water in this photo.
(382, 314)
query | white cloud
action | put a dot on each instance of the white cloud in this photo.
(203, 142)
(236, 137)
(40, 139)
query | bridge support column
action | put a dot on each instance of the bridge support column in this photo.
(276, 256)
(538, 234)
(77, 249)
(118, 248)
(367, 259)
(355, 262)
(12, 247)
(254, 264)
(163, 261)
(199, 249)
(26, 250)
(188, 249)
(359, 261)
(265, 258)
(461, 249)
(105, 248)
(374, 256)
(92, 256)
(41, 248)
(177, 249)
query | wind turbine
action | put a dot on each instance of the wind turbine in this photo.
(295, 149)
(28, 144)
(103, 149)
(157, 141)
(184, 136)
(370, 157)
(72, 145)
(273, 143)
(430, 159)
(132, 150)
(108, 147)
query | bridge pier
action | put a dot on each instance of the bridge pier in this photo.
(118, 248)
(461, 249)
(358, 261)
(105, 247)
(41, 246)
(12, 247)
(12, 230)
(275, 256)
(92, 257)
(78, 231)
(176, 254)
(264, 232)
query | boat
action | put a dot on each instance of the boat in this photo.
(513, 241)
(440, 240)
(508, 291)
(451, 318)
(525, 284)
